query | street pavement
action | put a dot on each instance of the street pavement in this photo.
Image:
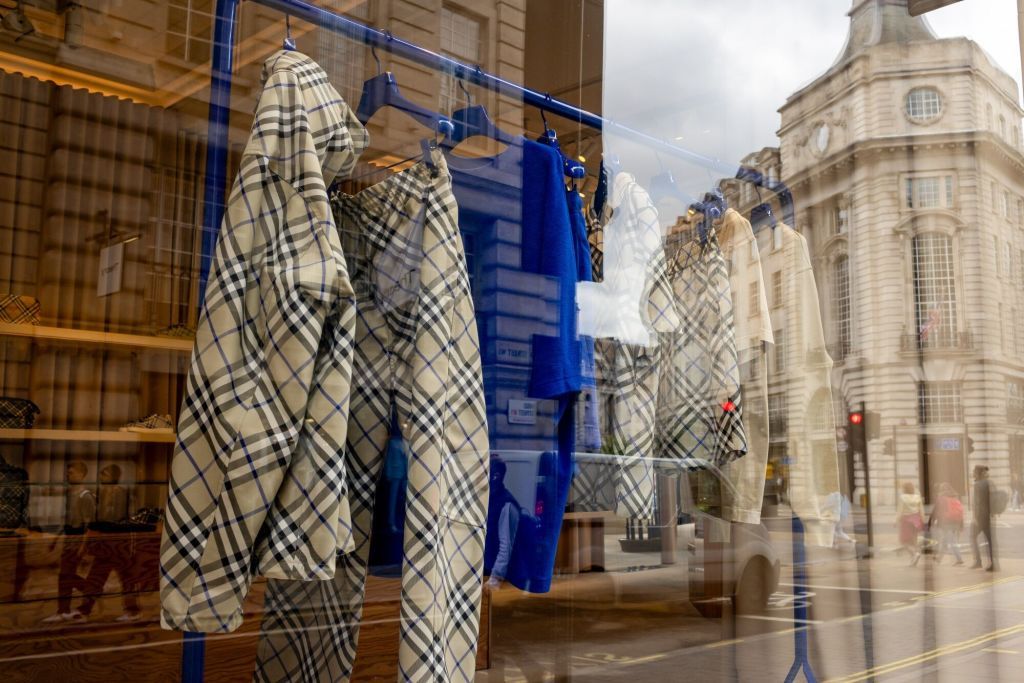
(866, 619)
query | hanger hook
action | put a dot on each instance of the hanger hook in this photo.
(465, 91)
(373, 51)
(289, 43)
(661, 163)
(544, 119)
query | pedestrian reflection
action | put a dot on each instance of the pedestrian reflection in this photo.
(983, 508)
(503, 516)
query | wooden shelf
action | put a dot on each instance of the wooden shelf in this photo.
(66, 334)
(83, 435)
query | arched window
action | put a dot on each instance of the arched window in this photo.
(934, 291)
(1002, 126)
(841, 313)
(988, 116)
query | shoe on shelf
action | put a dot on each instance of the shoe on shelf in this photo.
(129, 617)
(178, 330)
(154, 424)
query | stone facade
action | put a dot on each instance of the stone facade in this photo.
(905, 162)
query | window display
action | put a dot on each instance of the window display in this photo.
(470, 340)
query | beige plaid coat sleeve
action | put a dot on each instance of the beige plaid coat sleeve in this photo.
(257, 466)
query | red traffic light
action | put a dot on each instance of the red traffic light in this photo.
(856, 418)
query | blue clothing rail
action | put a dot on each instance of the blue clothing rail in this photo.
(221, 67)
(220, 93)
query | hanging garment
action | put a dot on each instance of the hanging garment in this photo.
(753, 330)
(811, 443)
(416, 351)
(699, 407)
(629, 372)
(256, 467)
(512, 208)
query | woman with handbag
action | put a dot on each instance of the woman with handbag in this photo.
(910, 520)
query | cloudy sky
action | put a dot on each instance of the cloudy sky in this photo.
(713, 74)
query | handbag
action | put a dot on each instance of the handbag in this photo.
(17, 413)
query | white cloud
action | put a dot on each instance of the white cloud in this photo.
(716, 73)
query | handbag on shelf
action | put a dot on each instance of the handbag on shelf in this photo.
(15, 308)
(17, 413)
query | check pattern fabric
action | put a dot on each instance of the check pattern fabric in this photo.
(699, 413)
(257, 477)
(417, 352)
(629, 373)
(753, 332)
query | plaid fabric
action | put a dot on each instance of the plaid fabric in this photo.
(19, 309)
(257, 468)
(417, 351)
(699, 414)
(753, 328)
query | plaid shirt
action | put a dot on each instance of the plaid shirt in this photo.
(257, 482)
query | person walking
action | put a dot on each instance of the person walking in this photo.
(982, 523)
(910, 520)
(948, 520)
(111, 547)
(79, 513)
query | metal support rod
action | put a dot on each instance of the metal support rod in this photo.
(193, 646)
(801, 652)
(221, 65)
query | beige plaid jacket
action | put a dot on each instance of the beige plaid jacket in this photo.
(257, 482)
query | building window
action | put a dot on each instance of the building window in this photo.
(841, 306)
(838, 220)
(924, 105)
(1005, 206)
(1007, 260)
(939, 402)
(995, 255)
(461, 40)
(189, 26)
(778, 415)
(820, 415)
(1002, 126)
(777, 289)
(755, 299)
(779, 351)
(934, 290)
(751, 370)
(928, 192)
(1014, 402)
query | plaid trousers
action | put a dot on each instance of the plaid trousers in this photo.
(417, 352)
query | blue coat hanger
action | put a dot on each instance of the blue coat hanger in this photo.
(473, 120)
(570, 167)
(382, 91)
